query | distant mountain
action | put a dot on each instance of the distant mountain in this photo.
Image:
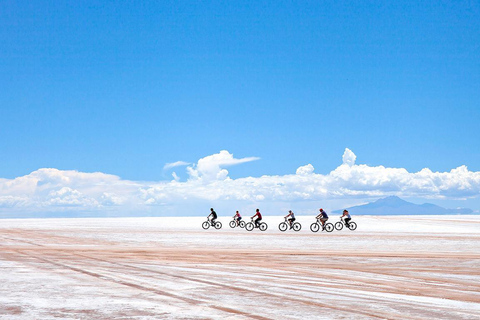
(395, 206)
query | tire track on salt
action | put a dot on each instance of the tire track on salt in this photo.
(207, 282)
(144, 288)
(241, 289)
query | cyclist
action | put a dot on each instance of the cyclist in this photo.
(237, 217)
(257, 221)
(214, 216)
(347, 219)
(323, 217)
(292, 215)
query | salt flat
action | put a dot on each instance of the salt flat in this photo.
(420, 267)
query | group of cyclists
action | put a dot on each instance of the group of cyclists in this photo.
(322, 216)
(237, 217)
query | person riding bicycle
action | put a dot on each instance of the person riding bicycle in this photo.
(257, 221)
(292, 219)
(214, 216)
(237, 217)
(347, 219)
(323, 217)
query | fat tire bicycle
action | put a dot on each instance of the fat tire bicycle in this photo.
(351, 224)
(283, 226)
(234, 223)
(217, 225)
(314, 227)
(251, 225)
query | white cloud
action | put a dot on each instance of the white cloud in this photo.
(53, 190)
(60, 190)
(12, 201)
(111, 199)
(175, 176)
(305, 170)
(175, 164)
(66, 197)
(211, 167)
(349, 157)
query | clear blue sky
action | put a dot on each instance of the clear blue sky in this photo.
(124, 88)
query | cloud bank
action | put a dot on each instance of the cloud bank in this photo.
(53, 190)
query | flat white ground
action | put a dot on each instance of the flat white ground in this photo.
(170, 268)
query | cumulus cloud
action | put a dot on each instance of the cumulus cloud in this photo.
(208, 180)
(9, 201)
(349, 157)
(56, 190)
(305, 170)
(212, 167)
(52, 189)
(69, 197)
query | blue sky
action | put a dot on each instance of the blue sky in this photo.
(125, 88)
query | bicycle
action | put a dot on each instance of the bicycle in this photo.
(314, 227)
(235, 223)
(217, 225)
(351, 225)
(251, 225)
(283, 226)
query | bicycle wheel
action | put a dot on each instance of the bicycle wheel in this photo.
(242, 224)
(283, 226)
(329, 227)
(339, 225)
(218, 225)
(263, 226)
(232, 224)
(352, 225)
(249, 226)
(297, 226)
(206, 225)
(314, 227)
